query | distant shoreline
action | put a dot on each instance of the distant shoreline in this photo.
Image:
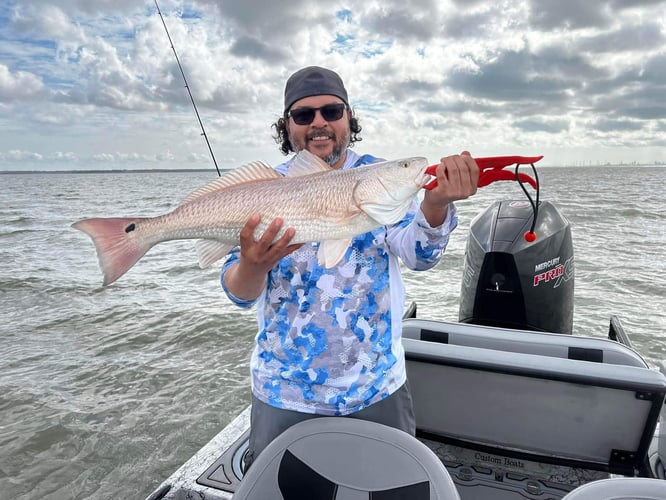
(203, 170)
(112, 171)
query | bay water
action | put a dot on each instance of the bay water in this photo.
(104, 391)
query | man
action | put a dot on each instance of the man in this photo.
(329, 339)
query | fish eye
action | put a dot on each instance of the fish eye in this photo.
(404, 164)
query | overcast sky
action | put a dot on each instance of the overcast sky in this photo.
(94, 84)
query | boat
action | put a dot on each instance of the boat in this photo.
(509, 404)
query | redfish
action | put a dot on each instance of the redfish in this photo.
(327, 205)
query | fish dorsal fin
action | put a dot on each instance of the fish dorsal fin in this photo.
(306, 163)
(251, 172)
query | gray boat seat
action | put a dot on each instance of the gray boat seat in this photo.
(333, 458)
(503, 339)
(620, 488)
(536, 408)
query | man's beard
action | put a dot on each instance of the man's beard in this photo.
(339, 146)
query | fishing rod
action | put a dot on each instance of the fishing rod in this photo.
(180, 67)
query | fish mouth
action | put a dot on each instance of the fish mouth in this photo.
(423, 177)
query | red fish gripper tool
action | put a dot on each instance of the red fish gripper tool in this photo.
(491, 170)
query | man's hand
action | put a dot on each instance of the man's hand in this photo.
(247, 279)
(457, 179)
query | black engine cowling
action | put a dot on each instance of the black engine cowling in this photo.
(509, 282)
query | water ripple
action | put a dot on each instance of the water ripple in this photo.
(106, 390)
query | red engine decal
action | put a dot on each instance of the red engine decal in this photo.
(551, 274)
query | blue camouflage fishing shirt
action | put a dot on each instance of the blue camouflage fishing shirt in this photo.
(329, 339)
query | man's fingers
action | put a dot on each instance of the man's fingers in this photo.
(473, 173)
(247, 233)
(449, 170)
(283, 242)
(265, 242)
(458, 176)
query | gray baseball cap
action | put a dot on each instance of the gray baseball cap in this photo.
(313, 80)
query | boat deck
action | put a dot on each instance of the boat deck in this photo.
(512, 415)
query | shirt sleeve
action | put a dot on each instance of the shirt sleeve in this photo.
(419, 245)
(234, 258)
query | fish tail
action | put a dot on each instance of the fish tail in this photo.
(118, 248)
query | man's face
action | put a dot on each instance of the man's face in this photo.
(326, 139)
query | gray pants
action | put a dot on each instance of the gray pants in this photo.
(268, 422)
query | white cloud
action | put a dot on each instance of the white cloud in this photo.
(18, 155)
(97, 82)
(19, 85)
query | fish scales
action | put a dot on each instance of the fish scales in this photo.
(330, 206)
(316, 207)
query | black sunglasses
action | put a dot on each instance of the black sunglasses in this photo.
(306, 115)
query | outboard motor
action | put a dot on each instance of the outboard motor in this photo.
(513, 283)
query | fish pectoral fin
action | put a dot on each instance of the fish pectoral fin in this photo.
(386, 214)
(210, 251)
(332, 251)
